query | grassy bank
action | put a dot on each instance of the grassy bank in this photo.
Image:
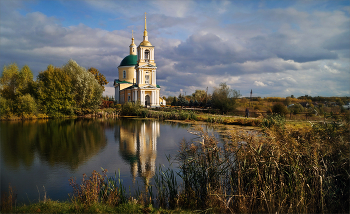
(131, 109)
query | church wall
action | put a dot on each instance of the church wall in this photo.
(130, 73)
(124, 85)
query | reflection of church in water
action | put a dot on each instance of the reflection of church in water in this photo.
(138, 146)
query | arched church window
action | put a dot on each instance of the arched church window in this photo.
(147, 79)
(124, 74)
(147, 55)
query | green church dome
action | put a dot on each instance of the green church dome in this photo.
(129, 60)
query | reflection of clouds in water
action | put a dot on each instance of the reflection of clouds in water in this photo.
(138, 147)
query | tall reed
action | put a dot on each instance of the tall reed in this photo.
(282, 170)
(98, 188)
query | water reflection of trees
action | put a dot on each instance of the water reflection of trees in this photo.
(138, 145)
(67, 142)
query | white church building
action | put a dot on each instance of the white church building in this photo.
(137, 80)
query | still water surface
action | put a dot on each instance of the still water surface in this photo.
(40, 156)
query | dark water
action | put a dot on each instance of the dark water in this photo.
(39, 157)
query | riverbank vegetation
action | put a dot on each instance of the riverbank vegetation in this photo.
(278, 170)
(57, 91)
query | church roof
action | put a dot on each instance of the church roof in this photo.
(118, 81)
(145, 43)
(129, 60)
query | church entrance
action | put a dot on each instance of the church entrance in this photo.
(147, 101)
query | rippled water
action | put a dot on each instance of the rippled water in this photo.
(40, 156)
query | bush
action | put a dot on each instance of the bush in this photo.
(280, 109)
(257, 108)
(26, 105)
(131, 109)
(296, 108)
(5, 107)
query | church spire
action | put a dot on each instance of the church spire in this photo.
(132, 38)
(132, 45)
(145, 41)
(145, 32)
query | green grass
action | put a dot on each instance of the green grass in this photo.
(50, 206)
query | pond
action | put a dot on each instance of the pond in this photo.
(39, 157)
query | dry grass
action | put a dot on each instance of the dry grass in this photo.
(282, 170)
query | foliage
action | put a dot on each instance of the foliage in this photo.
(25, 81)
(274, 120)
(55, 92)
(87, 92)
(224, 98)
(131, 109)
(107, 104)
(9, 81)
(27, 105)
(200, 95)
(99, 77)
(16, 91)
(296, 108)
(287, 101)
(279, 108)
(182, 101)
(5, 108)
(174, 102)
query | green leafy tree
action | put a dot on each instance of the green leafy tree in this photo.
(9, 81)
(15, 84)
(195, 103)
(99, 77)
(87, 92)
(191, 103)
(287, 101)
(280, 108)
(55, 91)
(174, 102)
(26, 105)
(200, 95)
(25, 81)
(296, 108)
(224, 98)
(5, 107)
(181, 101)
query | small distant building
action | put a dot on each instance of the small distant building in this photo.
(137, 80)
(162, 101)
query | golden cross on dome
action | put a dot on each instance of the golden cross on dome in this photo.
(132, 33)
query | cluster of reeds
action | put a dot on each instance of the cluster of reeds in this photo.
(98, 188)
(281, 170)
(213, 119)
(7, 200)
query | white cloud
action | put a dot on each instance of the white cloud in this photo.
(275, 52)
(259, 83)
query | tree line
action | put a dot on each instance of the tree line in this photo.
(223, 98)
(56, 92)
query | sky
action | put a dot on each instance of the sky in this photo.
(274, 48)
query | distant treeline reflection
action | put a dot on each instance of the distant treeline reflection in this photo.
(68, 142)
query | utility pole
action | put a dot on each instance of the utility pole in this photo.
(251, 93)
